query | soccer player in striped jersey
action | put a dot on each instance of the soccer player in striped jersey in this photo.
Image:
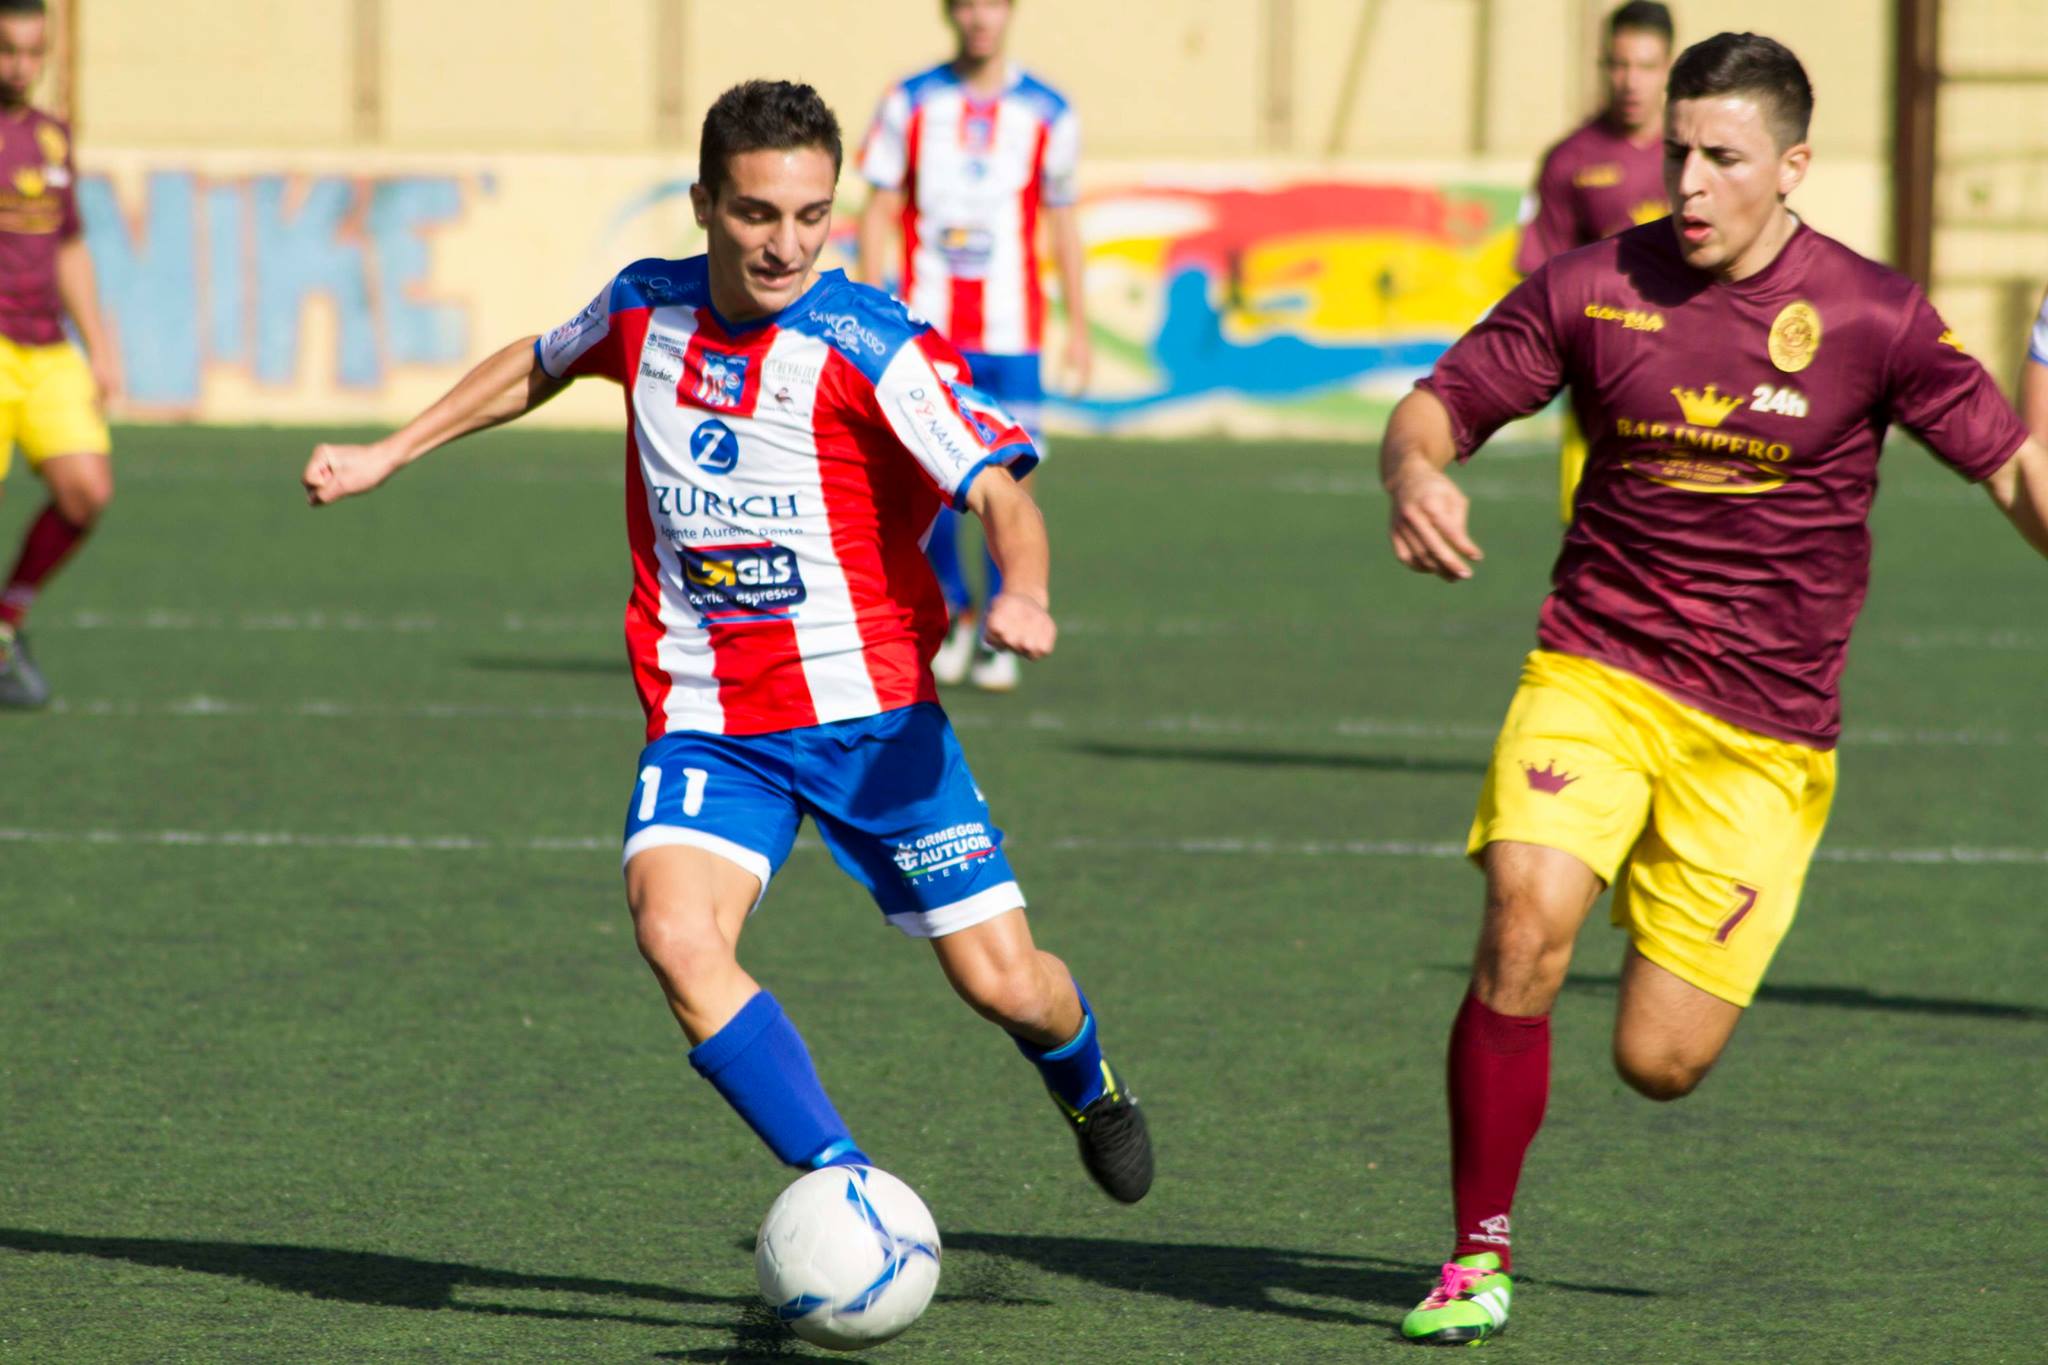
(790, 436)
(1673, 735)
(52, 398)
(1608, 175)
(965, 160)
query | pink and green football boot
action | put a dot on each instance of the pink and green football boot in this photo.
(1468, 1305)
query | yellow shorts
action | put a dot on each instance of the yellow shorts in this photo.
(1571, 465)
(48, 404)
(1703, 829)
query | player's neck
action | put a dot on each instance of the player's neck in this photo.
(982, 75)
(1768, 246)
(735, 309)
(1650, 132)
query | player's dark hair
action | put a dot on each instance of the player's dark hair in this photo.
(28, 7)
(1748, 64)
(758, 116)
(1642, 16)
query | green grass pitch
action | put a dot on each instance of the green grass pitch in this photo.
(322, 1036)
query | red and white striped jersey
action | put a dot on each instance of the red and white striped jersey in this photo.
(781, 478)
(974, 173)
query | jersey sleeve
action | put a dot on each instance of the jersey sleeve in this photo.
(1549, 229)
(885, 156)
(1059, 182)
(1508, 366)
(584, 345)
(2037, 343)
(953, 430)
(1941, 394)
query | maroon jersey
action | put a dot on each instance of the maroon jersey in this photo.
(1593, 184)
(38, 212)
(1720, 550)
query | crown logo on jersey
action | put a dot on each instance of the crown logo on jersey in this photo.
(1706, 409)
(1547, 778)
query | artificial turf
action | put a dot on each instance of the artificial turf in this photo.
(323, 1037)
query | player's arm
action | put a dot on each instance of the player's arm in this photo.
(1020, 618)
(509, 384)
(2020, 487)
(885, 165)
(1508, 366)
(78, 289)
(1550, 226)
(877, 234)
(1069, 263)
(1428, 511)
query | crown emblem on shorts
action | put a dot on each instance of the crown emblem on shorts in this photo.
(1547, 778)
(1706, 409)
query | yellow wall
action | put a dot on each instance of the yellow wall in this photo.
(558, 94)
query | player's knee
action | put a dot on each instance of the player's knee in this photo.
(1522, 944)
(84, 494)
(682, 943)
(1660, 1076)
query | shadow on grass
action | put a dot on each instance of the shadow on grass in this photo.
(367, 1277)
(1849, 998)
(1279, 758)
(1823, 997)
(1243, 1278)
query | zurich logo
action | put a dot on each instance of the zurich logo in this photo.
(714, 447)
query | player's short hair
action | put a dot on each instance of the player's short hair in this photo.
(31, 8)
(1642, 16)
(1748, 64)
(756, 116)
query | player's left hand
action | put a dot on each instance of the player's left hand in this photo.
(106, 375)
(1021, 625)
(1077, 361)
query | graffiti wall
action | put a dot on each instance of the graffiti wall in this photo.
(252, 289)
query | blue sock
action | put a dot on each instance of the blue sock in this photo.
(758, 1062)
(1074, 1070)
(943, 549)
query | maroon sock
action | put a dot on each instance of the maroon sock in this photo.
(1499, 1082)
(50, 540)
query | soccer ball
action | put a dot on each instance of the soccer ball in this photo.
(848, 1256)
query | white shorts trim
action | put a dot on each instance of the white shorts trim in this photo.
(668, 836)
(951, 919)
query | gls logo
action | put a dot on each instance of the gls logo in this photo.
(714, 447)
(758, 580)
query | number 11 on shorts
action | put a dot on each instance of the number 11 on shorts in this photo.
(650, 790)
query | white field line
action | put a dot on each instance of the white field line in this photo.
(1943, 640)
(1222, 846)
(202, 707)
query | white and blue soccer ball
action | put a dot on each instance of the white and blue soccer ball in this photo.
(848, 1256)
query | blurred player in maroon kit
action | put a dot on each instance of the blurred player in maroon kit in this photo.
(1673, 734)
(1608, 175)
(51, 397)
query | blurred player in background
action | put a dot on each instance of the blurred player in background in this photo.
(965, 159)
(2034, 377)
(790, 437)
(51, 398)
(1609, 174)
(1673, 734)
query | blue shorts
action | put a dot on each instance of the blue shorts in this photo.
(890, 795)
(1013, 381)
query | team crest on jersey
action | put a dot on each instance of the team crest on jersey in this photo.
(731, 583)
(1795, 336)
(29, 182)
(721, 378)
